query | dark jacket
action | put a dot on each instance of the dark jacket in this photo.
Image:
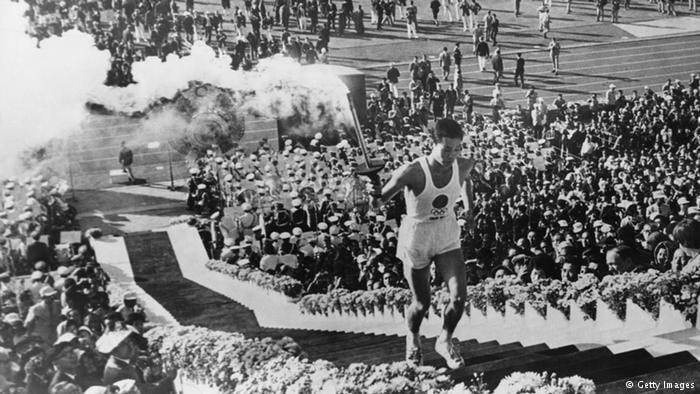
(482, 49)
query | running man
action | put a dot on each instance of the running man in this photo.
(432, 185)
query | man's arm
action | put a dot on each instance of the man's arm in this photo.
(398, 181)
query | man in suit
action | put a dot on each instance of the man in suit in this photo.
(482, 53)
(497, 64)
(520, 70)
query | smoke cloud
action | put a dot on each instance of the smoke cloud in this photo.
(278, 88)
(44, 90)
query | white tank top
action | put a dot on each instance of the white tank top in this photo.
(433, 203)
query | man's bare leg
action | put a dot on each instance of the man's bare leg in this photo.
(419, 282)
(451, 267)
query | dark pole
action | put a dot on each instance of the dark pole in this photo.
(170, 166)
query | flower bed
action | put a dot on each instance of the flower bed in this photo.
(281, 284)
(231, 363)
(533, 382)
(644, 289)
(234, 364)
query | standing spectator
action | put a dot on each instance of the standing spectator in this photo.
(610, 95)
(332, 13)
(468, 106)
(519, 70)
(615, 11)
(477, 34)
(488, 24)
(392, 75)
(546, 22)
(313, 16)
(359, 20)
(301, 17)
(531, 97)
(482, 53)
(43, 317)
(225, 5)
(497, 64)
(390, 12)
(600, 10)
(554, 49)
(464, 8)
(450, 101)
(374, 5)
(497, 104)
(473, 14)
(672, 7)
(457, 56)
(221, 40)
(435, 8)
(411, 21)
(494, 29)
(516, 8)
(450, 5)
(126, 159)
(445, 62)
(457, 84)
(438, 103)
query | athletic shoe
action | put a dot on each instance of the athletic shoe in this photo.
(414, 355)
(451, 355)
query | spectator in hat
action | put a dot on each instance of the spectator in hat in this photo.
(136, 320)
(64, 357)
(43, 318)
(122, 348)
(129, 306)
(39, 251)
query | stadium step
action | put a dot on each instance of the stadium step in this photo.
(641, 365)
(156, 270)
(686, 373)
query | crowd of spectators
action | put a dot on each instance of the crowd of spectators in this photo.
(59, 330)
(593, 187)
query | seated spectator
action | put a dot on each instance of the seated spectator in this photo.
(687, 234)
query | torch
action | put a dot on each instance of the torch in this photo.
(369, 168)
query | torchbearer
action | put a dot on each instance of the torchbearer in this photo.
(430, 233)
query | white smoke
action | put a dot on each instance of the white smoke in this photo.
(44, 90)
(278, 88)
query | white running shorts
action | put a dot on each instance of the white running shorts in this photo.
(420, 242)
